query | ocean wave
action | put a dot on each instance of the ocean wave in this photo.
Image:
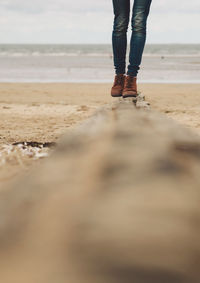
(52, 54)
(71, 54)
(94, 50)
(171, 55)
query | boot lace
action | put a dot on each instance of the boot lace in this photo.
(130, 82)
(118, 80)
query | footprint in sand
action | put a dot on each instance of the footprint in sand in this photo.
(83, 108)
(35, 104)
(6, 107)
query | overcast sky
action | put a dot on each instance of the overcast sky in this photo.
(90, 21)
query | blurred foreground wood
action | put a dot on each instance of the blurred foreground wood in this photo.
(118, 202)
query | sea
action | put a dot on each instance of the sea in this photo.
(162, 63)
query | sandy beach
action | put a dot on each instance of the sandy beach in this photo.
(42, 112)
(95, 188)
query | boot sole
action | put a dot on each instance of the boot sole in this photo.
(116, 95)
(129, 95)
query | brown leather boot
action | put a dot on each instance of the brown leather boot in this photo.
(118, 85)
(130, 87)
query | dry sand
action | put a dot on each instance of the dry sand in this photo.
(43, 112)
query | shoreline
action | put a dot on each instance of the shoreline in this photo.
(195, 82)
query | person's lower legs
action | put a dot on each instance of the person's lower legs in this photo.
(138, 38)
(119, 35)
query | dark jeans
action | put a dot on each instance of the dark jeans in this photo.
(138, 38)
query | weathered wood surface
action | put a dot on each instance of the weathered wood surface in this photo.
(118, 202)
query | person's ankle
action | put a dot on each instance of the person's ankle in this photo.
(131, 75)
(120, 74)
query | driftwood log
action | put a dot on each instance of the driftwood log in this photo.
(117, 202)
